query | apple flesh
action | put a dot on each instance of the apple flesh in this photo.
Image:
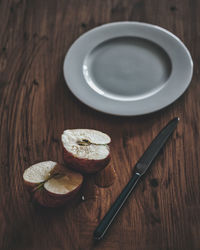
(52, 184)
(86, 150)
(38, 173)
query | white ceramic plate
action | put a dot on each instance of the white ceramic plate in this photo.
(128, 68)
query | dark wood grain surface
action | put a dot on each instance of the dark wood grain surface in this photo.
(36, 106)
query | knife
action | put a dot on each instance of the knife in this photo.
(140, 169)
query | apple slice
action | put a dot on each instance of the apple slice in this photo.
(106, 177)
(38, 173)
(86, 150)
(52, 184)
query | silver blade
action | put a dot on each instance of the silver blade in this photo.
(155, 147)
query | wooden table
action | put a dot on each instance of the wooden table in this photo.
(36, 106)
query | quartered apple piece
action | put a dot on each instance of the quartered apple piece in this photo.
(53, 185)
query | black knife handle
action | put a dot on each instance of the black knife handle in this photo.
(113, 211)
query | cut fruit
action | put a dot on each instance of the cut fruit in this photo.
(86, 150)
(52, 184)
(38, 173)
(106, 177)
(64, 183)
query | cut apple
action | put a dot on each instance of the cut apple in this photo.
(86, 150)
(52, 184)
(38, 173)
(106, 177)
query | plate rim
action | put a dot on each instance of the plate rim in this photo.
(132, 23)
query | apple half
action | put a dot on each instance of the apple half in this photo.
(86, 150)
(51, 183)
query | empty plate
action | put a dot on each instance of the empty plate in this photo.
(128, 68)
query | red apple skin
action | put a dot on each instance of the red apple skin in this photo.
(48, 199)
(84, 166)
(30, 186)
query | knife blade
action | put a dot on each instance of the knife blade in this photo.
(140, 169)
